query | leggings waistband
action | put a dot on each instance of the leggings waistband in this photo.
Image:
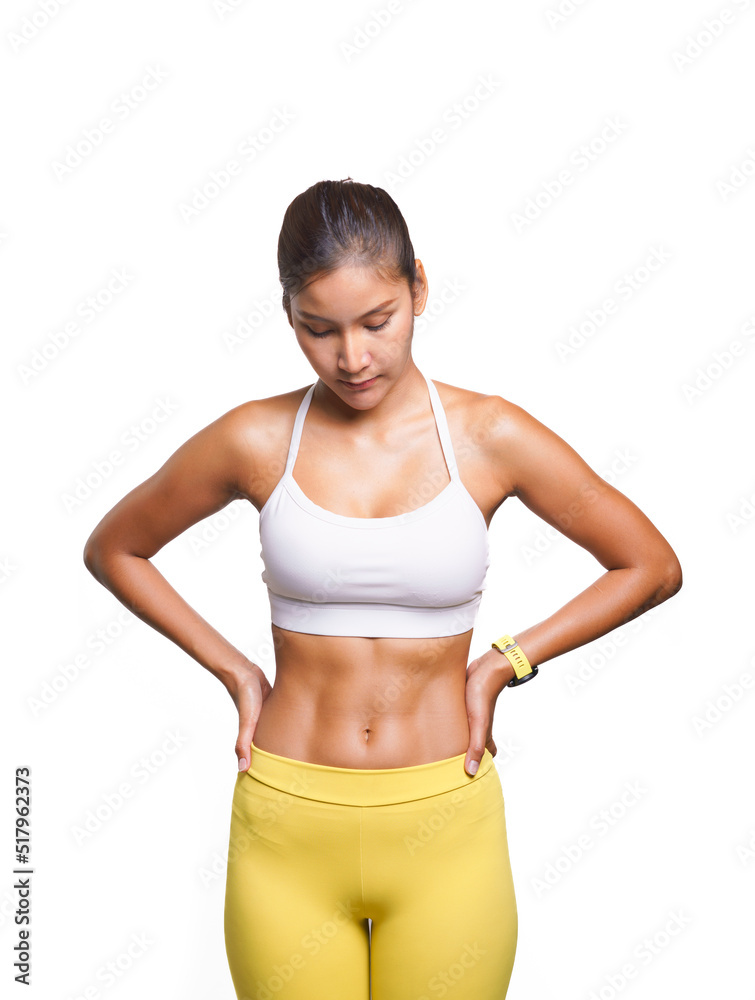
(362, 786)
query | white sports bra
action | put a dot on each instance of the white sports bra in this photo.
(418, 574)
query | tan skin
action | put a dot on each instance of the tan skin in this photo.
(352, 701)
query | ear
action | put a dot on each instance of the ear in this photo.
(420, 288)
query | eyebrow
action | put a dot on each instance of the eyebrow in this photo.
(324, 319)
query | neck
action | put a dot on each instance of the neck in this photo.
(403, 398)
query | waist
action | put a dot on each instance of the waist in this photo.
(351, 701)
(362, 786)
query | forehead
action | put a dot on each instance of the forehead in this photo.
(345, 290)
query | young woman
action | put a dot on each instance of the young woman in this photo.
(368, 837)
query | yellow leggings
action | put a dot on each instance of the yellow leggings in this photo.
(341, 880)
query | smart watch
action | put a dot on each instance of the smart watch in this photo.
(523, 669)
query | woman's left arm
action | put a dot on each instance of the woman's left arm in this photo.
(532, 462)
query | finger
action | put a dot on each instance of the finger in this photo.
(243, 747)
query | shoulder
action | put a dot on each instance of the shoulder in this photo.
(487, 418)
(251, 441)
(499, 436)
(260, 421)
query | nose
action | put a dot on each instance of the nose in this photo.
(352, 355)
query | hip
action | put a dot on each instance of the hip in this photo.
(364, 786)
(285, 809)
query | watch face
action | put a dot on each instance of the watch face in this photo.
(520, 680)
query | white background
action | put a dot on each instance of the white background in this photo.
(657, 398)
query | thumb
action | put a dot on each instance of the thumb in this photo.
(476, 749)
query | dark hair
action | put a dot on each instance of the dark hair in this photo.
(337, 223)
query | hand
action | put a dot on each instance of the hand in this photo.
(487, 676)
(249, 688)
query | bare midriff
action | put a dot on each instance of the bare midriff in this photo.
(349, 701)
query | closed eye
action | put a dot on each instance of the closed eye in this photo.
(324, 333)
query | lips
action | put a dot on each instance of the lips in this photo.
(356, 385)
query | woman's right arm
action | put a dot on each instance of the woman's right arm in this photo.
(201, 477)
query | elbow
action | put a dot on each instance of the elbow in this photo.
(102, 558)
(94, 558)
(671, 579)
(90, 557)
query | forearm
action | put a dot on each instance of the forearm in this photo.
(140, 586)
(614, 599)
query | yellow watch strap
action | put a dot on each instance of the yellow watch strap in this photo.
(513, 653)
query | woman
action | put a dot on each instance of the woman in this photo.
(368, 837)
